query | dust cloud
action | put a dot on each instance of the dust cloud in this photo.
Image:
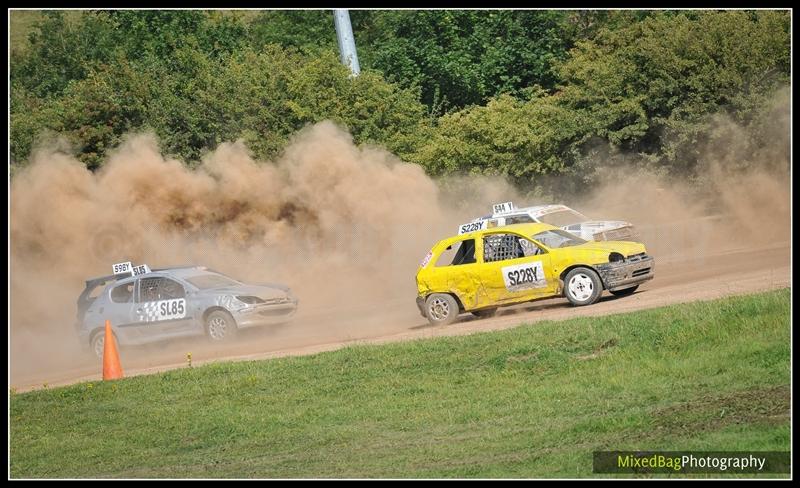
(344, 226)
(738, 198)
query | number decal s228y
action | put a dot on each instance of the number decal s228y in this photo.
(524, 276)
(472, 227)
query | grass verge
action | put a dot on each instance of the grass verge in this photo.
(533, 401)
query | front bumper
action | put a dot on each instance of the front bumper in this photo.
(265, 314)
(628, 272)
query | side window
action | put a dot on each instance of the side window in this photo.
(500, 247)
(518, 219)
(171, 289)
(529, 248)
(158, 288)
(122, 293)
(148, 289)
(459, 253)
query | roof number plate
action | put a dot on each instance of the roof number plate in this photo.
(472, 227)
(501, 208)
(122, 268)
(141, 269)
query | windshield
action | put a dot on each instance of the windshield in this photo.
(558, 238)
(207, 281)
(562, 218)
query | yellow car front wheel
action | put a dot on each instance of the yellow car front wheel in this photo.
(582, 286)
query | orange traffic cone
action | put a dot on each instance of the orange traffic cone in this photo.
(112, 369)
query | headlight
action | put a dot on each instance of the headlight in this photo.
(250, 300)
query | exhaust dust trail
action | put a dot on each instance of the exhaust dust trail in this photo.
(341, 225)
(740, 197)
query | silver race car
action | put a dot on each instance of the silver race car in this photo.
(559, 215)
(148, 306)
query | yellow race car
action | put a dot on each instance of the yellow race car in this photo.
(480, 271)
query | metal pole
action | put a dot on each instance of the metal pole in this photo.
(347, 43)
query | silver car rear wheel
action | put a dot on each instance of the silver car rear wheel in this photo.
(98, 344)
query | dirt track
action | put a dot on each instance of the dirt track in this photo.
(676, 281)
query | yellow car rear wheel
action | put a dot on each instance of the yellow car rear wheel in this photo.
(441, 309)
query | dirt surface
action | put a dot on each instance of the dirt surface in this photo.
(678, 280)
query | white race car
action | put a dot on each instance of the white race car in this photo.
(557, 215)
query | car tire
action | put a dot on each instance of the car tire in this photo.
(625, 291)
(220, 326)
(582, 286)
(441, 309)
(485, 313)
(97, 343)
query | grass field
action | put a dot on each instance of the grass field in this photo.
(533, 401)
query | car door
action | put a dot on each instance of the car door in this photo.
(160, 310)
(116, 306)
(455, 270)
(514, 269)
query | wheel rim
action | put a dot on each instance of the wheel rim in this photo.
(217, 327)
(99, 346)
(439, 309)
(581, 287)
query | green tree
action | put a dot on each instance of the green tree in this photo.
(194, 101)
(650, 88)
(520, 139)
(524, 94)
(463, 57)
(308, 31)
(61, 51)
(161, 33)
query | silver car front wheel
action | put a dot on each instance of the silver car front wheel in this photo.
(220, 326)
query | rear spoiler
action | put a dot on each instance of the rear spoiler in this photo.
(84, 301)
(91, 283)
